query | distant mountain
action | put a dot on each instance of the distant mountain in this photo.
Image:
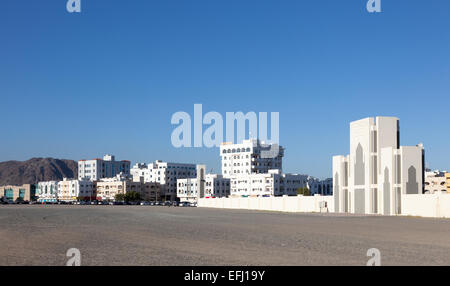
(36, 170)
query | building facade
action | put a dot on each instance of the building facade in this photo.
(74, 190)
(435, 182)
(378, 170)
(447, 179)
(250, 157)
(24, 193)
(97, 169)
(320, 187)
(166, 174)
(108, 188)
(47, 192)
(272, 183)
(141, 170)
(215, 186)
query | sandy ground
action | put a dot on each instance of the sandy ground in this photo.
(155, 235)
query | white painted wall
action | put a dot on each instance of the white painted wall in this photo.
(428, 205)
(282, 204)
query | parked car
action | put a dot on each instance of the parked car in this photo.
(145, 203)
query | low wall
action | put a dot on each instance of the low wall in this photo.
(430, 205)
(282, 204)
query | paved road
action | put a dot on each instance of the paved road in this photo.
(150, 235)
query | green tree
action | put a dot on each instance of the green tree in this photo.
(119, 197)
(303, 191)
(132, 196)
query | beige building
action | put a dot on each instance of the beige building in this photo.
(447, 178)
(435, 182)
(24, 193)
(108, 188)
(73, 190)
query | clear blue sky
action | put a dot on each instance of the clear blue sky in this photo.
(109, 79)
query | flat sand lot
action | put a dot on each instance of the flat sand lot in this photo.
(156, 235)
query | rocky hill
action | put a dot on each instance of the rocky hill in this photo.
(35, 170)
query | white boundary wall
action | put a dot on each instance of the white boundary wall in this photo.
(428, 205)
(281, 204)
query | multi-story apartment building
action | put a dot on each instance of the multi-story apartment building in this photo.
(141, 170)
(378, 170)
(447, 182)
(216, 186)
(25, 192)
(108, 188)
(250, 157)
(47, 191)
(320, 187)
(272, 183)
(166, 174)
(107, 167)
(73, 190)
(435, 182)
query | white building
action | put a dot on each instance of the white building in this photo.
(73, 190)
(165, 174)
(435, 182)
(250, 157)
(320, 187)
(107, 167)
(215, 186)
(141, 170)
(273, 183)
(47, 192)
(378, 170)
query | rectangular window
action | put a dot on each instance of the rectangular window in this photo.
(398, 169)
(374, 141)
(9, 194)
(374, 170)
